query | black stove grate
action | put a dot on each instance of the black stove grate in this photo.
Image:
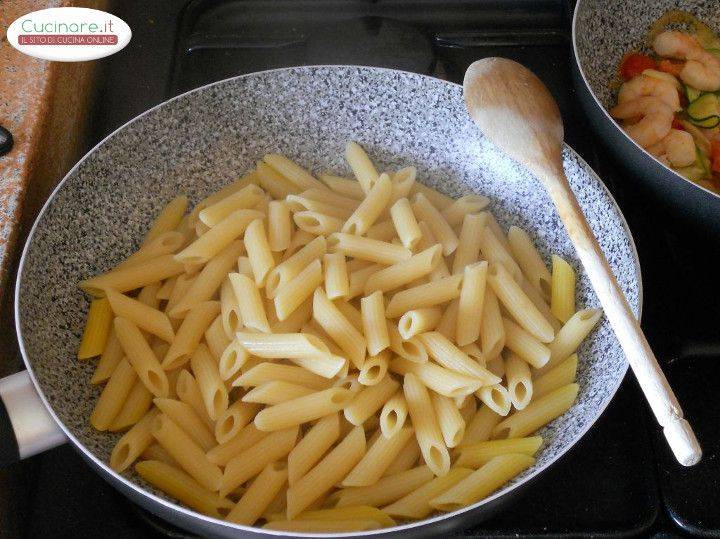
(620, 479)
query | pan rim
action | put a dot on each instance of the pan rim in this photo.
(612, 121)
(110, 474)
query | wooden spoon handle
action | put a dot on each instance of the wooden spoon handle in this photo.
(653, 382)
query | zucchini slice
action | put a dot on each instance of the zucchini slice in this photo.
(704, 111)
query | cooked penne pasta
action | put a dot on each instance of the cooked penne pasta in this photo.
(276, 392)
(369, 400)
(188, 336)
(443, 232)
(538, 413)
(448, 323)
(452, 424)
(252, 309)
(113, 395)
(141, 357)
(362, 167)
(168, 219)
(347, 337)
(133, 443)
(425, 295)
(344, 186)
(370, 208)
(562, 374)
(216, 339)
(135, 276)
(374, 369)
(382, 231)
(302, 409)
(212, 387)
(381, 252)
(234, 419)
(480, 427)
(386, 490)
(482, 482)
(393, 415)
(403, 182)
(245, 198)
(280, 227)
(268, 372)
(463, 206)
(494, 251)
(377, 458)
(301, 203)
(474, 456)
(374, 323)
(418, 321)
(259, 494)
(519, 381)
(185, 417)
(496, 397)
(165, 243)
(275, 183)
(337, 281)
(411, 349)
(571, 335)
(441, 380)
(416, 504)
(136, 405)
(145, 317)
(292, 171)
(406, 271)
(293, 293)
(468, 249)
(525, 345)
(245, 438)
(470, 303)
(405, 224)
(311, 448)
(562, 294)
(529, 260)
(317, 223)
(97, 329)
(188, 392)
(444, 352)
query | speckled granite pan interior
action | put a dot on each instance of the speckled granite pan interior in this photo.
(200, 141)
(607, 29)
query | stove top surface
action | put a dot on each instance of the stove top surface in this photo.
(620, 479)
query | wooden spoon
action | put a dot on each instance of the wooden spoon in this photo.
(514, 109)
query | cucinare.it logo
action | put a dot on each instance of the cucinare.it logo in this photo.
(69, 34)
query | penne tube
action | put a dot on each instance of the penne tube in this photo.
(529, 260)
(182, 285)
(468, 250)
(418, 321)
(482, 482)
(188, 336)
(439, 200)
(452, 424)
(143, 316)
(353, 314)
(425, 422)
(480, 427)
(276, 392)
(405, 224)
(416, 504)
(570, 336)
(374, 323)
(381, 252)
(168, 219)
(326, 366)
(279, 225)
(407, 458)
(216, 339)
(292, 294)
(292, 171)
(188, 392)
(492, 330)
(275, 183)
(470, 303)
(411, 349)
(166, 288)
(445, 353)
(97, 329)
(337, 326)
(317, 223)
(518, 304)
(301, 203)
(448, 323)
(562, 374)
(141, 357)
(374, 369)
(234, 419)
(211, 385)
(362, 167)
(132, 277)
(370, 208)
(344, 186)
(283, 273)
(268, 372)
(463, 206)
(232, 360)
(519, 381)
(525, 345)
(496, 397)
(226, 191)
(251, 461)
(337, 281)
(402, 183)
(136, 405)
(444, 381)
(329, 471)
(393, 415)
(156, 452)
(329, 197)
(562, 294)
(467, 408)
(494, 251)
(113, 396)
(282, 345)
(387, 490)
(428, 240)
(245, 198)
(338, 514)
(252, 309)
(322, 526)
(377, 458)
(404, 272)
(295, 320)
(218, 237)
(186, 418)
(443, 232)
(497, 230)
(382, 231)
(209, 280)
(183, 487)
(133, 443)
(188, 454)
(259, 494)
(538, 413)
(245, 438)
(369, 400)
(311, 448)
(426, 295)
(302, 409)
(537, 298)
(258, 250)
(474, 456)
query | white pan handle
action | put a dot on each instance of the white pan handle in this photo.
(26, 427)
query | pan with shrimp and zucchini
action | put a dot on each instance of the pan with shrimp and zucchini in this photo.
(648, 75)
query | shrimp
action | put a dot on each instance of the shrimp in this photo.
(677, 149)
(655, 119)
(701, 69)
(645, 85)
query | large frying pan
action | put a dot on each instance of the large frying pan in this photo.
(603, 31)
(203, 139)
